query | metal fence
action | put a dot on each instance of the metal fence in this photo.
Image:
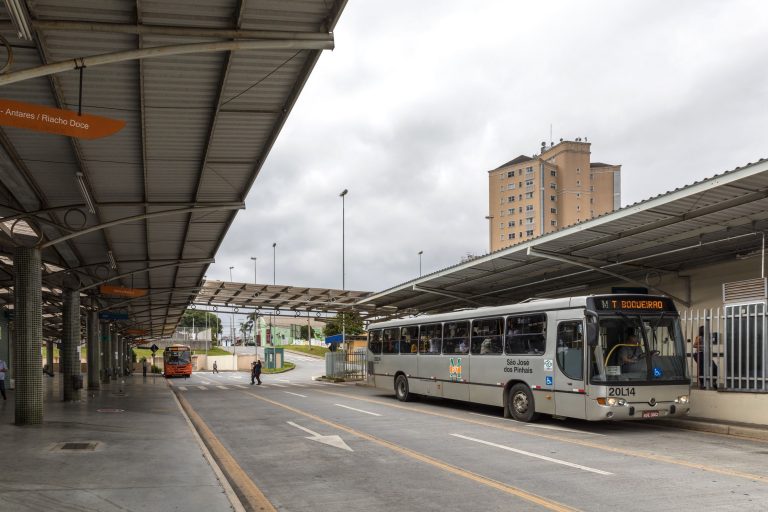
(727, 347)
(347, 365)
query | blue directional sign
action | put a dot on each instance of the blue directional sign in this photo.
(113, 315)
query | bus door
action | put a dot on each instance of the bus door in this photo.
(570, 396)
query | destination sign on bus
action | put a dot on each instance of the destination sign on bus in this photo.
(633, 303)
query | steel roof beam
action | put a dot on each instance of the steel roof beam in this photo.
(202, 261)
(160, 51)
(556, 257)
(134, 218)
(196, 32)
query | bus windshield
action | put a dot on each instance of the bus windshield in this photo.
(638, 348)
(178, 356)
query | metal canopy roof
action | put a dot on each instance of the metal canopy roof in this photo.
(704, 223)
(223, 294)
(200, 121)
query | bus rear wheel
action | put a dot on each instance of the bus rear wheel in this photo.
(401, 388)
(521, 403)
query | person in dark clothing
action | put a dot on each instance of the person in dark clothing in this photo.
(256, 372)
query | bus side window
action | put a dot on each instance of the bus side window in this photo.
(570, 349)
(374, 341)
(526, 334)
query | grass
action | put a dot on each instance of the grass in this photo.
(286, 367)
(307, 349)
(215, 351)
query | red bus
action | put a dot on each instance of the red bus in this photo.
(177, 361)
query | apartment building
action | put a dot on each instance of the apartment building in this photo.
(531, 196)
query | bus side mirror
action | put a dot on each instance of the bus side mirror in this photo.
(592, 330)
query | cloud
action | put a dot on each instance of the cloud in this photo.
(420, 99)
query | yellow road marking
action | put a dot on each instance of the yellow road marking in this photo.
(245, 488)
(588, 444)
(455, 470)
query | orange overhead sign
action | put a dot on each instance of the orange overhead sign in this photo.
(54, 120)
(121, 291)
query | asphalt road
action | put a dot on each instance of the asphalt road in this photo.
(319, 446)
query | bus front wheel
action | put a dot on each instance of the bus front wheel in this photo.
(521, 403)
(401, 388)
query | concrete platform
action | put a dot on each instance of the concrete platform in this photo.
(124, 447)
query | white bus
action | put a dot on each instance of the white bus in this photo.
(606, 357)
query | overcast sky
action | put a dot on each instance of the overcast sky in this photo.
(421, 98)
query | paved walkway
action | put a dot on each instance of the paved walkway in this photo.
(125, 447)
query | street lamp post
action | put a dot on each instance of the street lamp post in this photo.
(489, 218)
(420, 253)
(274, 263)
(232, 318)
(343, 268)
(255, 319)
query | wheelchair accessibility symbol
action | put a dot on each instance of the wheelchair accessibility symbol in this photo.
(548, 380)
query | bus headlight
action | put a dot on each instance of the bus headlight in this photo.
(682, 399)
(612, 401)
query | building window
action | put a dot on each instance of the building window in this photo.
(510, 174)
(578, 183)
(553, 172)
(553, 185)
(578, 170)
(511, 236)
(511, 186)
(529, 220)
(553, 222)
(511, 223)
(511, 199)
(528, 170)
(591, 213)
(529, 195)
(519, 172)
(552, 198)
(501, 237)
(520, 209)
(501, 225)
(529, 232)
(529, 207)
(511, 211)
(519, 197)
(591, 188)
(591, 200)
(520, 184)
(578, 195)
(528, 183)
(520, 222)
(553, 210)
(578, 208)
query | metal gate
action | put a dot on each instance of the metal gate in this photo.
(732, 353)
(346, 365)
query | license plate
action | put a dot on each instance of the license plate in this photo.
(650, 414)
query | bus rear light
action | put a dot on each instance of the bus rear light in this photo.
(682, 399)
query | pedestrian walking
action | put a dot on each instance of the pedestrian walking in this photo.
(144, 366)
(215, 368)
(256, 371)
(3, 371)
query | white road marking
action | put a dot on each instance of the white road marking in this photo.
(278, 385)
(335, 441)
(358, 410)
(241, 386)
(563, 429)
(284, 380)
(536, 425)
(295, 394)
(207, 383)
(235, 376)
(222, 387)
(535, 455)
(202, 388)
(182, 388)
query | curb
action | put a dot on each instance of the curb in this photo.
(719, 428)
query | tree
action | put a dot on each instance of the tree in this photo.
(214, 322)
(352, 324)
